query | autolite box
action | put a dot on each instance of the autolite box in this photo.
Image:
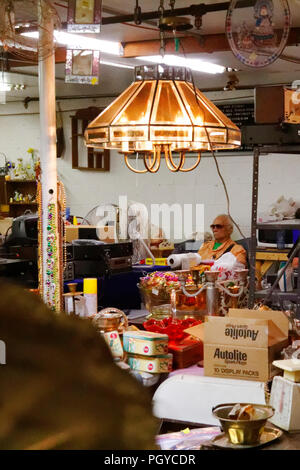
(243, 344)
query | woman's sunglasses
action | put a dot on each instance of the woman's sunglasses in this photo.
(218, 226)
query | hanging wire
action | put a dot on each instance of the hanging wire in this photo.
(294, 60)
(214, 156)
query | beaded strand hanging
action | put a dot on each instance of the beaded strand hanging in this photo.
(51, 288)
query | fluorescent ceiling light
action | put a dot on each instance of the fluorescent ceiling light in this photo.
(76, 41)
(116, 64)
(5, 86)
(193, 64)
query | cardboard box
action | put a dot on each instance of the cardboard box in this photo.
(275, 104)
(292, 106)
(158, 261)
(243, 344)
(145, 343)
(5, 223)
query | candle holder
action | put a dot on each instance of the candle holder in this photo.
(212, 287)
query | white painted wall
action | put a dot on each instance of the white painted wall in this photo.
(279, 174)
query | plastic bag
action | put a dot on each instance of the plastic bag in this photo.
(227, 264)
(283, 208)
(279, 210)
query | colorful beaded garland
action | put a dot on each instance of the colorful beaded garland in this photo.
(52, 281)
(40, 238)
(51, 277)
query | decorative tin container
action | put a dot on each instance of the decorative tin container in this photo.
(145, 343)
(153, 364)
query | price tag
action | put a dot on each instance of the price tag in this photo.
(154, 291)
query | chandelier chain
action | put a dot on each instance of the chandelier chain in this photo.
(137, 13)
(161, 10)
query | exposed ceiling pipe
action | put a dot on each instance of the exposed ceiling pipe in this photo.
(112, 11)
(30, 74)
(193, 10)
(108, 10)
(28, 99)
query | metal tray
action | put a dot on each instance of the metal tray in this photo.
(269, 435)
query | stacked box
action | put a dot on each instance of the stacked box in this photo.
(186, 353)
(147, 351)
(152, 364)
(145, 343)
(113, 341)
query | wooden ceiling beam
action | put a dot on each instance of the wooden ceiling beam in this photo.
(190, 44)
(30, 58)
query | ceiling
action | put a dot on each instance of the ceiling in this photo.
(113, 80)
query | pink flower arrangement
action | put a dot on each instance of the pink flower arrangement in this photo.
(160, 280)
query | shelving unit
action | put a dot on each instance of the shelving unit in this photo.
(3, 209)
(24, 187)
(276, 295)
(97, 160)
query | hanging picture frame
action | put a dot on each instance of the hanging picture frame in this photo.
(82, 66)
(84, 16)
(257, 35)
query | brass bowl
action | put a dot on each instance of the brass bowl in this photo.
(243, 431)
(72, 286)
(110, 319)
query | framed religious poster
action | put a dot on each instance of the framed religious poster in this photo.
(258, 34)
(82, 66)
(84, 16)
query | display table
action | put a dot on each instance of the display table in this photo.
(288, 441)
(120, 290)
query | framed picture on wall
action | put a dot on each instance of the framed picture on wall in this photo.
(84, 16)
(87, 158)
(82, 66)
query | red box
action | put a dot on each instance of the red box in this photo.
(186, 353)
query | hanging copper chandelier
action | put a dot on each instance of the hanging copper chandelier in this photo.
(162, 113)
